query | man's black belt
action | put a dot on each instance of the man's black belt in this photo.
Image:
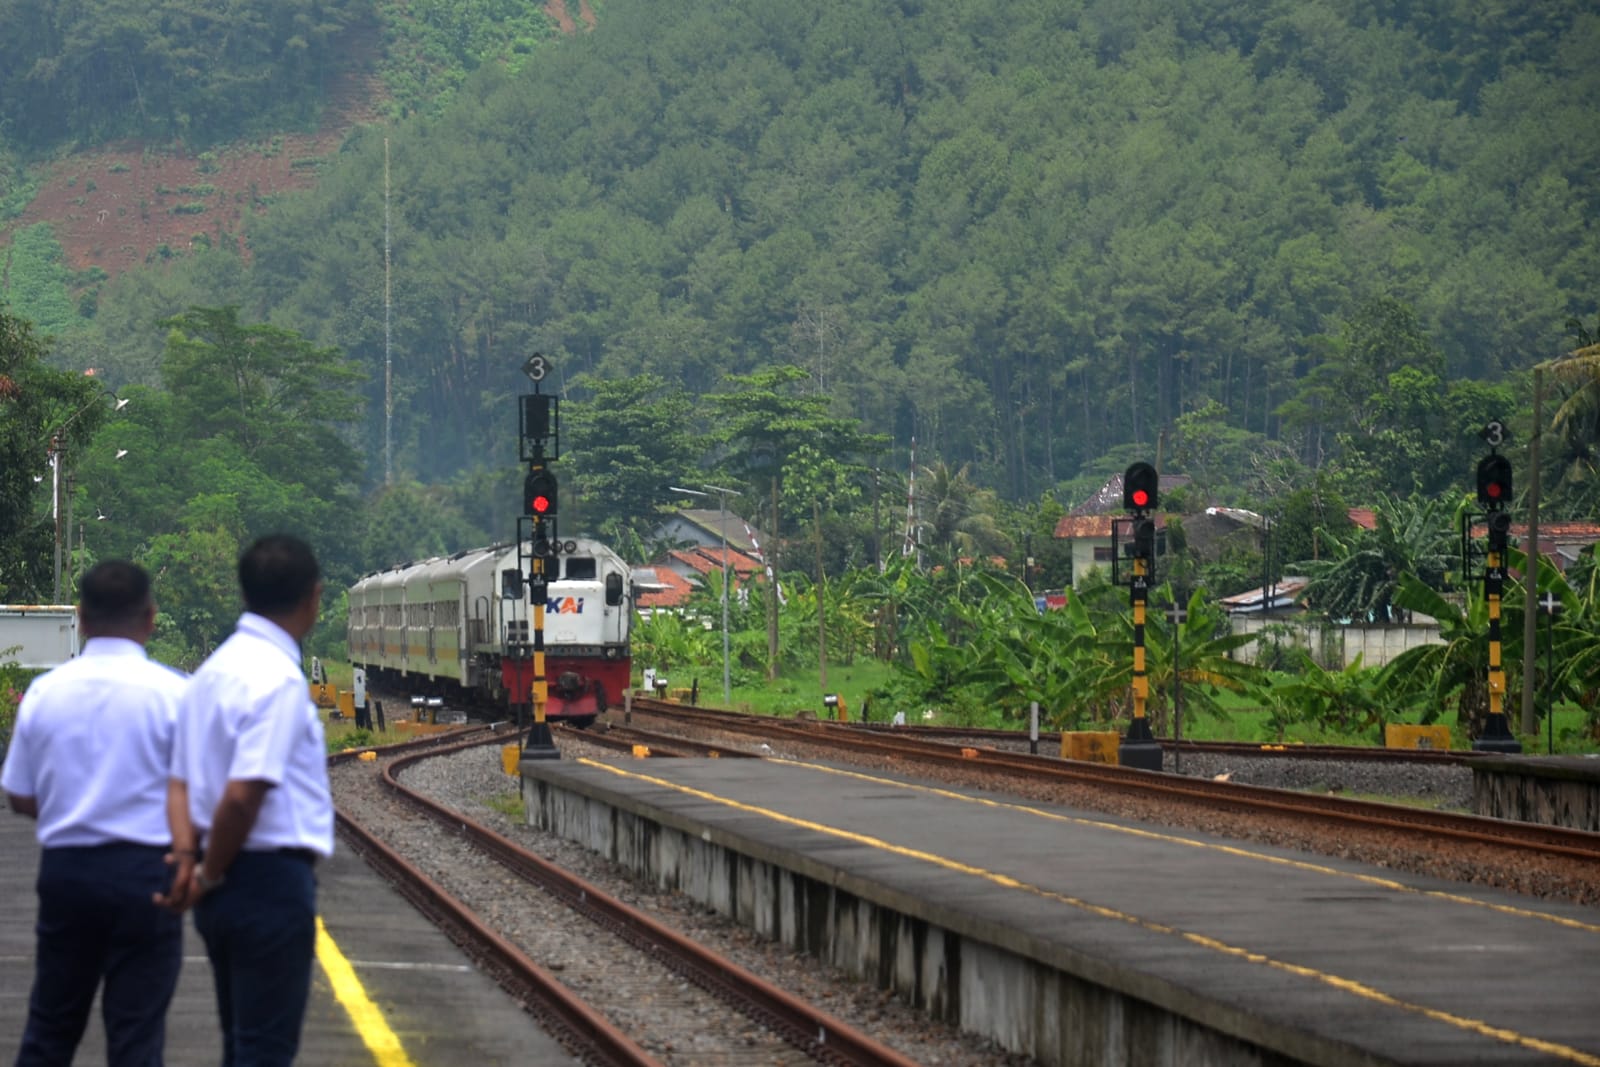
(304, 855)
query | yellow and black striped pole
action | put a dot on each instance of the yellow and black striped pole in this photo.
(1493, 585)
(1497, 735)
(1140, 748)
(1139, 595)
(541, 686)
(540, 744)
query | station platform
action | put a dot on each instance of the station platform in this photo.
(1550, 790)
(1079, 938)
(388, 987)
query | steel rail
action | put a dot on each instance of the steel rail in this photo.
(821, 1035)
(626, 738)
(568, 1018)
(1265, 749)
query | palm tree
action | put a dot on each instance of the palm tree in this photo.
(960, 516)
(1576, 420)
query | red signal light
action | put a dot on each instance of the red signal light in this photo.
(539, 494)
(1494, 480)
(1141, 487)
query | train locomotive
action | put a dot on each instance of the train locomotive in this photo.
(440, 626)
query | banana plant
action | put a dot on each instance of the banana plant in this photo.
(1342, 700)
(1205, 663)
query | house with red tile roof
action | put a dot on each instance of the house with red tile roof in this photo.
(1088, 527)
(1559, 542)
(683, 571)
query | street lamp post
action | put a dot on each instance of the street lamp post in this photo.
(61, 490)
(722, 522)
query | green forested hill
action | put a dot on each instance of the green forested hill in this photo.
(1037, 237)
(86, 72)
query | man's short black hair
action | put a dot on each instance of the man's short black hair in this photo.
(113, 595)
(277, 573)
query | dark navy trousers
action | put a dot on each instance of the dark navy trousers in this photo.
(97, 923)
(260, 930)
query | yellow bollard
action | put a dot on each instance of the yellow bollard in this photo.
(1091, 746)
(1404, 735)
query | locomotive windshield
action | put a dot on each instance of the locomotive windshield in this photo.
(580, 568)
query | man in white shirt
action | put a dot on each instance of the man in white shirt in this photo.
(88, 759)
(249, 789)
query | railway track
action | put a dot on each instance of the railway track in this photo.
(635, 992)
(1527, 839)
(1050, 742)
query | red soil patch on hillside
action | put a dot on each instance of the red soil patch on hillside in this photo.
(123, 204)
(120, 205)
(562, 16)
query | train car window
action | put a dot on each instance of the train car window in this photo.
(511, 584)
(613, 589)
(580, 568)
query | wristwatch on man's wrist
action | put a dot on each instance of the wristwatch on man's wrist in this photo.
(208, 884)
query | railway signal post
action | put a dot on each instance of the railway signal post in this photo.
(539, 446)
(1140, 495)
(1494, 495)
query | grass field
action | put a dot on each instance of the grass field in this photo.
(794, 692)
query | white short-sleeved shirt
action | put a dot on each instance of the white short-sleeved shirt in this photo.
(247, 715)
(93, 742)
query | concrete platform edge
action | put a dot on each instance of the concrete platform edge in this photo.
(1028, 994)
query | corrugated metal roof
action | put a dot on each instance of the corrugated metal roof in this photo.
(1285, 594)
(1365, 518)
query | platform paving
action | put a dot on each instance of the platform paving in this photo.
(444, 1012)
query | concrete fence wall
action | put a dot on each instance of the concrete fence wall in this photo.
(1335, 647)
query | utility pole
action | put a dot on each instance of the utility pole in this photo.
(388, 355)
(822, 625)
(1530, 573)
(57, 461)
(772, 593)
(722, 523)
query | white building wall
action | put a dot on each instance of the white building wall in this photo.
(1083, 557)
(1336, 647)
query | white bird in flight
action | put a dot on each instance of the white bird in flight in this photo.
(121, 452)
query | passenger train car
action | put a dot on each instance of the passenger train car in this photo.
(440, 627)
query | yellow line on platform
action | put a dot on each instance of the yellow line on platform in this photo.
(364, 1014)
(1347, 985)
(1211, 846)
